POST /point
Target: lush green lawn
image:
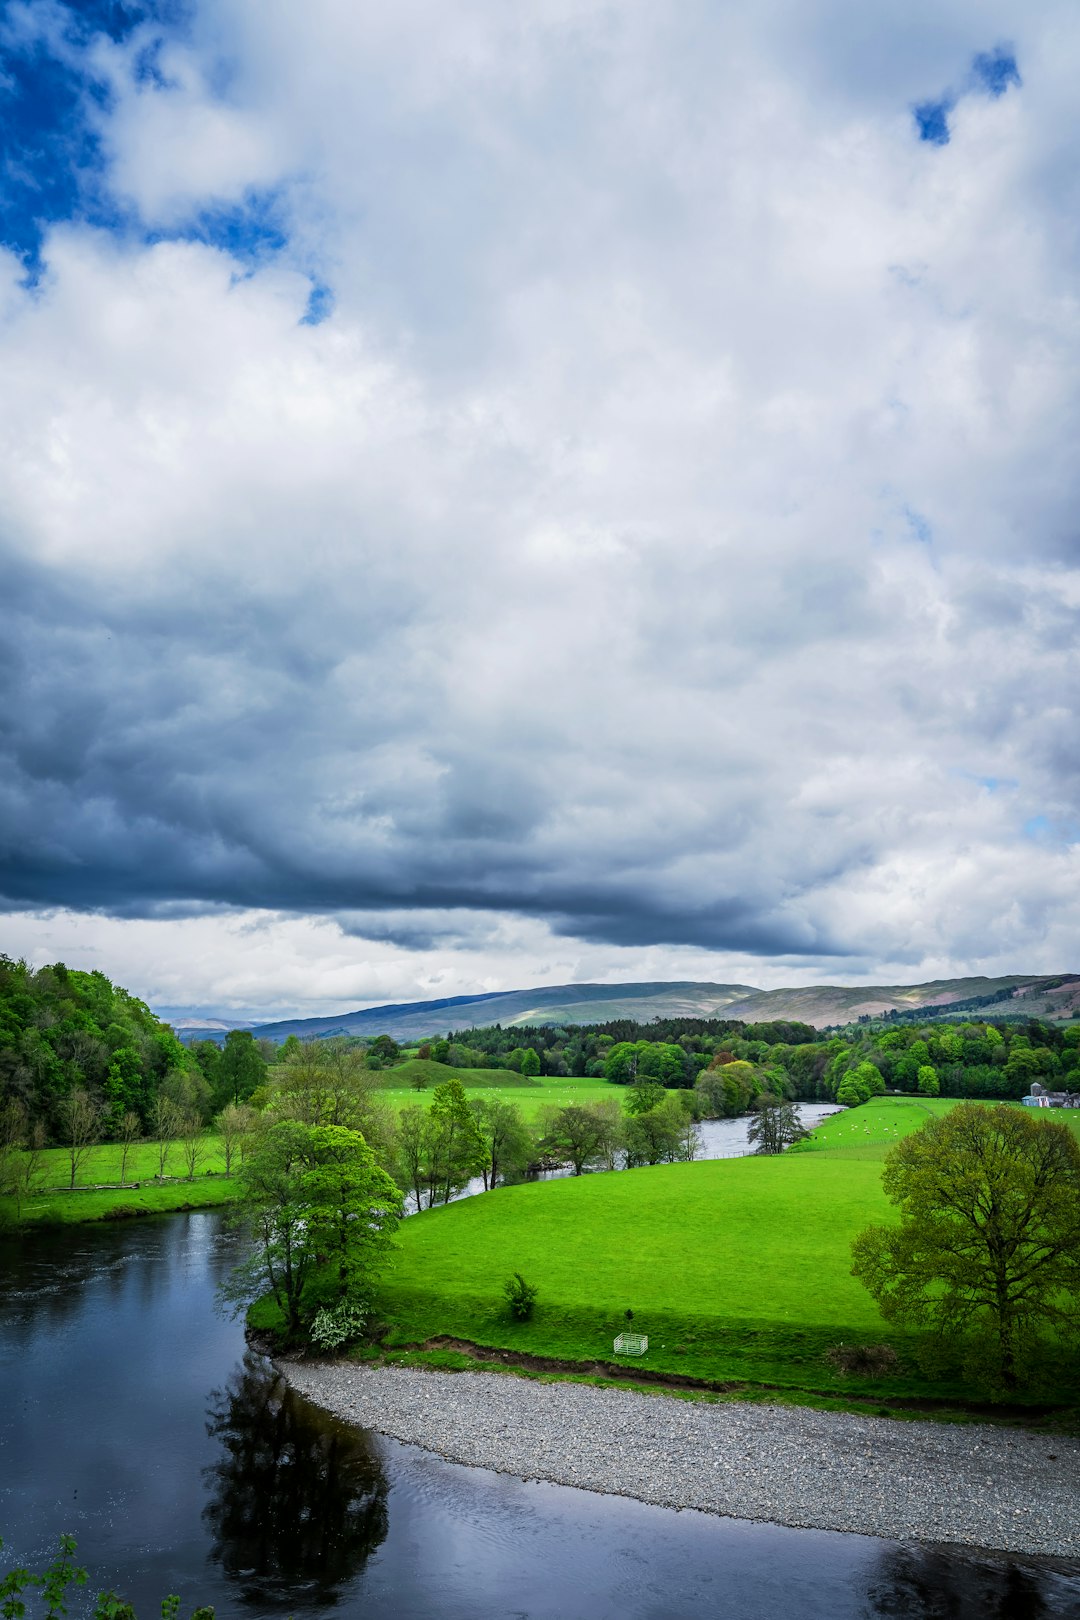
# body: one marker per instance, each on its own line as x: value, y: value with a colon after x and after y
x: 98, y: 1194
x: 102, y: 1165
x: 736, y: 1268
x: 870, y: 1130
x: 529, y: 1095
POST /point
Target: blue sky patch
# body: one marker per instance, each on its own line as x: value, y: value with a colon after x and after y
x: 51, y: 164
x: 251, y: 231
x: 932, y: 121
x: 991, y: 72
x: 994, y: 71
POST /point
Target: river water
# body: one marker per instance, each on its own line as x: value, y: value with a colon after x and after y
x: 133, y: 1416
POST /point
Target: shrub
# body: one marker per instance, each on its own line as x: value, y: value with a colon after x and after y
x: 863, y: 1360
x: 522, y: 1296
x: 334, y: 1326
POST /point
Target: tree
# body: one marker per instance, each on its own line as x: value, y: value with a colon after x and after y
x: 164, y: 1123
x: 508, y: 1142
x: 128, y: 1131
x: 80, y: 1121
x: 643, y: 1095
x: 457, y: 1147
x: 329, y: 1083
x: 413, y: 1138
x: 385, y: 1049
x: 621, y: 1063
x: 847, y: 1093
x: 321, y: 1211
x: 192, y: 1142
x: 530, y: 1063
x: 29, y: 1163
x: 929, y: 1085
x: 657, y: 1136
x: 574, y: 1135
x: 988, y: 1242
x: 241, y: 1070
x: 867, y: 1080
x: 775, y: 1125
x: 234, y: 1125
x: 188, y: 1091
x: 13, y: 1124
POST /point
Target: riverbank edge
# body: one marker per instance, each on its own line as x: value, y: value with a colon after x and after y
x: 796, y: 1466
x: 90, y: 1204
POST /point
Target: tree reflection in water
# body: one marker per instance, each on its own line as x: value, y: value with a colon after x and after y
x: 947, y: 1583
x: 298, y: 1500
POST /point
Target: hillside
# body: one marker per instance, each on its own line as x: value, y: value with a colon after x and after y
x: 552, y: 1004
x: 1044, y: 996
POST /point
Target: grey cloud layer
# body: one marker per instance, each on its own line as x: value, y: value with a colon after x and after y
x: 669, y: 536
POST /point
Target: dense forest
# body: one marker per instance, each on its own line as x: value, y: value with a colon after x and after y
x: 63, y: 1031
x: 973, y: 1059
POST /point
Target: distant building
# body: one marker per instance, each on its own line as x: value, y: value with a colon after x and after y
x: 1039, y: 1097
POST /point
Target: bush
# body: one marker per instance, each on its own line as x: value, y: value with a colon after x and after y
x: 333, y: 1327
x: 522, y: 1296
x: 863, y: 1360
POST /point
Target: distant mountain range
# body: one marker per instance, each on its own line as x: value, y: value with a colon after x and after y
x: 1040, y: 995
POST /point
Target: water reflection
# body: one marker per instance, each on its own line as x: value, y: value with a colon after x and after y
x: 947, y: 1583
x: 297, y: 1501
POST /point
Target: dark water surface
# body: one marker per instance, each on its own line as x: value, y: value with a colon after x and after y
x: 132, y: 1416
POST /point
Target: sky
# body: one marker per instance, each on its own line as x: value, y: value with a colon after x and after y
x: 493, y: 496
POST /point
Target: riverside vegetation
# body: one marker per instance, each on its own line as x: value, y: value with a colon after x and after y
x: 740, y: 1271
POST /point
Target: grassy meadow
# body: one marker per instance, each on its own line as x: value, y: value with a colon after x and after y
x: 737, y: 1269
x: 398, y: 1086
x: 98, y: 1194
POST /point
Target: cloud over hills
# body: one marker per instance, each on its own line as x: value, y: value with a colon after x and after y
x: 575, y: 492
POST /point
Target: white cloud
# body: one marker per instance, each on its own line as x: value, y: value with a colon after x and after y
x: 667, y: 531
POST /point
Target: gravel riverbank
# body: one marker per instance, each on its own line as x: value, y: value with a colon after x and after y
x: 1010, y: 1490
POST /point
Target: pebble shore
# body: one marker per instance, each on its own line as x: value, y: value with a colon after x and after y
x: 1003, y: 1489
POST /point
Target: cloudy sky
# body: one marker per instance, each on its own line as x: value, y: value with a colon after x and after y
x: 498, y: 495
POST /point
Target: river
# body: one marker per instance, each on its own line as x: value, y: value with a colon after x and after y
x: 134, y: 1416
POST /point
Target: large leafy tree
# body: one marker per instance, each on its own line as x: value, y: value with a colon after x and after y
x: 508, y: 1141
x: 322, y: 1213
x: 988, y: 1243
x: 457, y: 1147
x: 241, y: 1069
x: 774, y: 1125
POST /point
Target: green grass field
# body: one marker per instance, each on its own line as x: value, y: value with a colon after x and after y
x: 530, y: 1096
x: 737, y: 1269
x: 98, y: 1195
x: 869, y: 1131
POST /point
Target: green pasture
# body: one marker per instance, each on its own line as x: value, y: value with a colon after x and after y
x: 98, y: 1194
x: 869, y: 1131
x: 530, y: 1095
x: 103, y: 1204
x: 736, y: 1269
x: 101, y: 1167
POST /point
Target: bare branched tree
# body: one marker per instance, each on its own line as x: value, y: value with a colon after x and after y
x: 165, y: 1123
x: 127, y: 1134
x: 234, y: 1125
x: 80, y: 1124
x: 192, y: 1141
